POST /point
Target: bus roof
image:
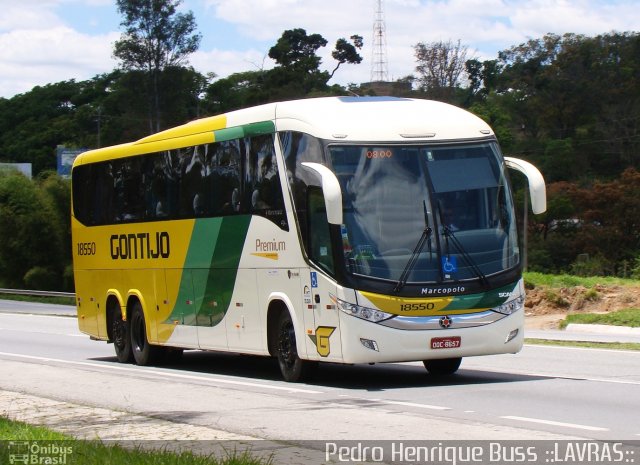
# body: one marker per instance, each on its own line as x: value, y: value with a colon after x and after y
x: 379, y: 119
x: 375, y: 119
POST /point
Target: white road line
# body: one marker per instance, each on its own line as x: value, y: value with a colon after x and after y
x: 412, y: 404
x: 168, y: 374
x: 34, y: 315
x: 557, y: 376
x: 548, y: 347
x: 596, y: 380
x: 42, y: 332
x: 555, y: 423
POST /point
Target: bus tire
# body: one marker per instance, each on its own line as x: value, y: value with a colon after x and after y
x: 143, y: 352
x: 292, y: 367
x: 443, y: 366
x: 121, y: 337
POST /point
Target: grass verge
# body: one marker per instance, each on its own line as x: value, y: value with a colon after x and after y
x: 565, y: 280
x: 590, y: 345
x: 94, y: 452
x: 627, y: 317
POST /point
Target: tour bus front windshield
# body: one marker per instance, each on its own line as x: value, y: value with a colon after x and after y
x: 419, y: 213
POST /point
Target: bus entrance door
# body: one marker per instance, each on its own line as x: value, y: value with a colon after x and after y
x: 325, y: 335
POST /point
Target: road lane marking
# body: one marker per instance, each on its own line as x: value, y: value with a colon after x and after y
x: 397, y: 402
x: 554, y: 376
x: 555, y: 423
x: 622, y: 351
x: 578, y: 378
x: 145, y: 370
x: 35, y: 315
x: 413, y: 404
x: 42, y: 332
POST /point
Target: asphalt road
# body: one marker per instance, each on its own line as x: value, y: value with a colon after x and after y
x: 540, y: 393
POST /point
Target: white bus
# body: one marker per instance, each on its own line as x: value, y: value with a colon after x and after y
x: 347, y: 230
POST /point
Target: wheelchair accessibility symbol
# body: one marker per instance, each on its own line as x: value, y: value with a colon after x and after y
x: 449, y: 264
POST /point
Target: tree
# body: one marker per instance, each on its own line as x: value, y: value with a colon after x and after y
x: 482, y: 77
x: 346, y: 52
x: 31, y: 244
x: 441, y: 68
x: 298, y: 73
x: 239, y: 90
x: 580, y: 88
x: 34, y: 123
x: 155, y: 37
x: 297, y: 50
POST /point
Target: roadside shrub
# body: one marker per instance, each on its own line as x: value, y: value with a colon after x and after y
x: 41, y: 279
x: 556, y: 299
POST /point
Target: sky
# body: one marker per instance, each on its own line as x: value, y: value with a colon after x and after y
x: 47, y: 41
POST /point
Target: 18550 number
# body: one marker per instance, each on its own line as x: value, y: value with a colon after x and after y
x: 86, y: 248
x: 417, y: 307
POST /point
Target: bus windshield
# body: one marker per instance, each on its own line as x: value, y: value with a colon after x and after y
x: 420, y: 213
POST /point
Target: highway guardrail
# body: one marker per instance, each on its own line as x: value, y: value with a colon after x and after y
x: 37, y: 293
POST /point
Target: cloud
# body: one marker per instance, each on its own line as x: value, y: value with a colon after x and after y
x: 224, y: 62
x: 485, y: 26
x: 43, y: 41
x: 267, y: 19
x: 37, y: 14
x: 33, y: 57
x: 37, y: 47
x: 535, y: 18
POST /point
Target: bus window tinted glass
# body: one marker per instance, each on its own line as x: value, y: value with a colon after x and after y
x: 263, y: 193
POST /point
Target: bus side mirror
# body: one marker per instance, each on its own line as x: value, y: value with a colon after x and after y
x: 537, y: 190
x: 331, y: 191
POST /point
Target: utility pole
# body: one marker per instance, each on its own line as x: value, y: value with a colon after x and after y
x: 99, y: 122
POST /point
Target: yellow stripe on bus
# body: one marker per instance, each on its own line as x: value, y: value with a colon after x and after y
x: 416, y: 306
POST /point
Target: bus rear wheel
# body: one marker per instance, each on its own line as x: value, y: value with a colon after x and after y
x: 143, y: 352
x: 443, y: 366
x: 121, y: 338
x: 292, y: 367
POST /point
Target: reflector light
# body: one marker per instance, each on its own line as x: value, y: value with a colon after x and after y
x: 369, y: 344
x: 511, y: 335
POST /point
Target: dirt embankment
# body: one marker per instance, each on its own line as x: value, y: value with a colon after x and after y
x: 545, y: 307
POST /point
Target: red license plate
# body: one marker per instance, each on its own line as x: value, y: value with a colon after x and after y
x: 446, y: 342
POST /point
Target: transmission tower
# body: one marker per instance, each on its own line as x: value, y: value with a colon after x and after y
x: 379, y: 65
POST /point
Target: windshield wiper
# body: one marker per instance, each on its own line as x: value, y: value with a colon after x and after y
x: 448, y: 234
x: 424, y: 237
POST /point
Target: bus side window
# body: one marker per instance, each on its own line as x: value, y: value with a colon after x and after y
x: 262, y: 189
x: 225, y: 177
x: 298, y: 148
x: 320, y: 248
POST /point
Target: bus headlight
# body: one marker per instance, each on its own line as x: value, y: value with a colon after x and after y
x: 510, y: 307
x: 365, y: 313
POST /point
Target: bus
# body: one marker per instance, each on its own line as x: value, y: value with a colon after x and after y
x: 339, y: 229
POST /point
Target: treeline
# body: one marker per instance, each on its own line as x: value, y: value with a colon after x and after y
x: 569, y: 104
x: 35, y: 232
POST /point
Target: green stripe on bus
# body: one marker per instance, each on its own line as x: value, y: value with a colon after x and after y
x: 256, y: 129
x: 210, y: 270
x: 488, y: 299
x: 247, y: 130
x: 228, y: 134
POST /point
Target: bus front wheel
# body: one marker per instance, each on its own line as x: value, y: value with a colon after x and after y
x: 443, y: 366
x: 143, y: 352
x: 292, y: 367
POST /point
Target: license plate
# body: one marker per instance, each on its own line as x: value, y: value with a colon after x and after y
x: 446, y: 342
